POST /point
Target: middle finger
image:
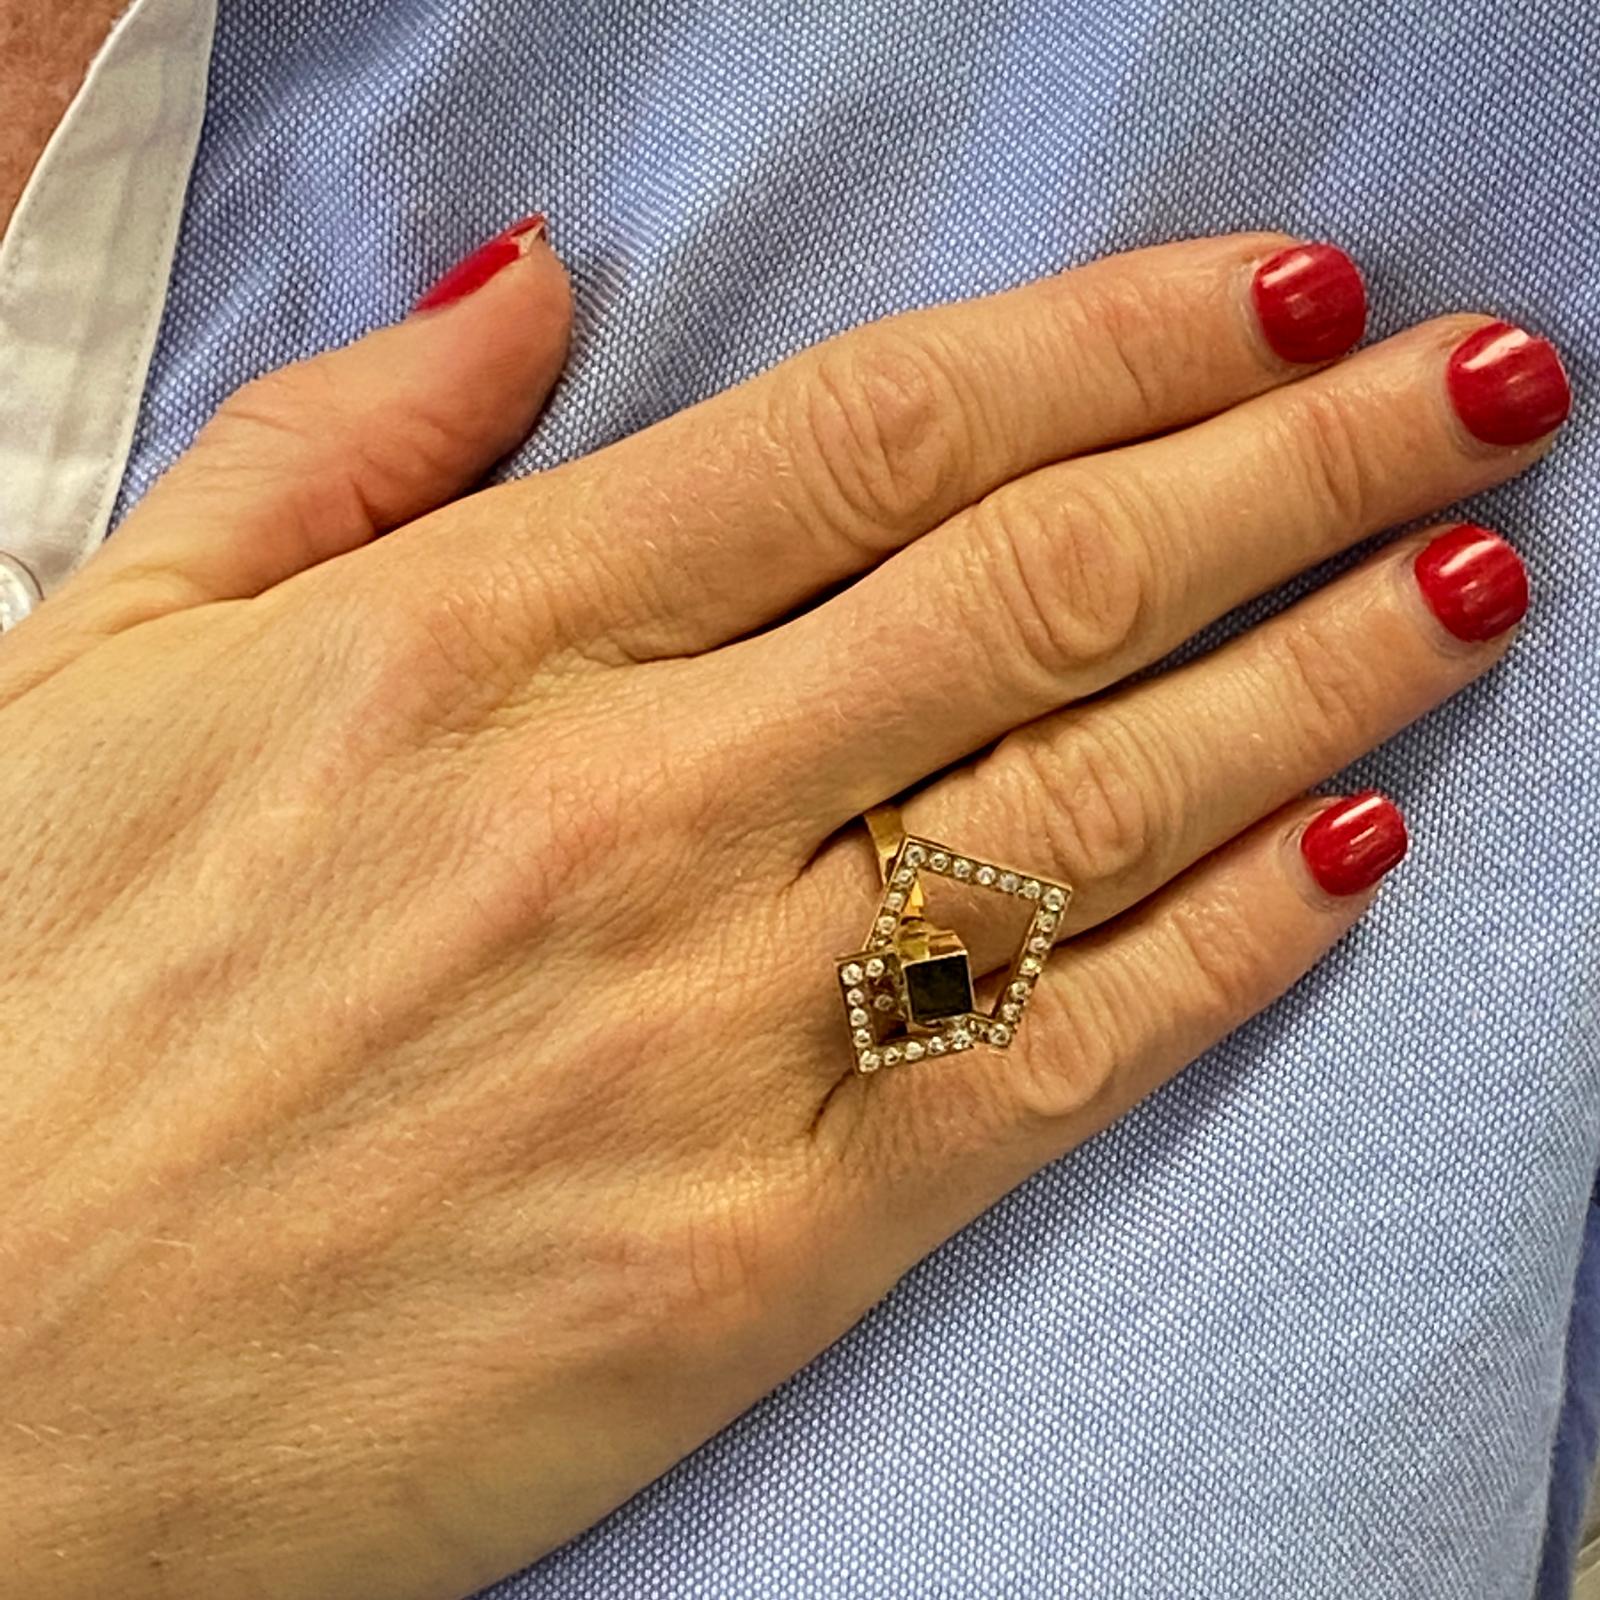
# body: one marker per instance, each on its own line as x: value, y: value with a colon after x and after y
x: 1067, y: 580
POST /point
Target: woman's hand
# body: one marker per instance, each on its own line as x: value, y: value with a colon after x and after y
x: 428, y: 1109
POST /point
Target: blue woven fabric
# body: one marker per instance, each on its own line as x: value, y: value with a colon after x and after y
x: 1580, y: 1421
x: 1297, y: 1328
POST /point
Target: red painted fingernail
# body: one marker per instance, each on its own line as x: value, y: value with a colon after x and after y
x: 483, y: 264
x: 1473, y: 581
x: 1311, y: 302
x: 1352, y: 844
x: 1508, y: 386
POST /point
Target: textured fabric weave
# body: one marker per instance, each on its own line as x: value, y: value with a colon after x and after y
x: 1297, y: 1327
x: 1580, y: 1421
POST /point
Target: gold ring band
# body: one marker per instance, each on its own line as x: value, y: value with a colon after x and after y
x: 908, y: 993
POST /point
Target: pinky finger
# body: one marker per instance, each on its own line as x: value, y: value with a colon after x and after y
x: 1122, y: 1010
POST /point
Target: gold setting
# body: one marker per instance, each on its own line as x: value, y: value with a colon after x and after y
x: 886, y: 1028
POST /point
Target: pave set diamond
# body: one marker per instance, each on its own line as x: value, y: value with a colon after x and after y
x: 873, y: 982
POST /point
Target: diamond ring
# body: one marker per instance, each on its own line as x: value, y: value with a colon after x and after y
x: 908, y: 993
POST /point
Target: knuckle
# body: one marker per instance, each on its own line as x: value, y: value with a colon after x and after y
x: 1122, y: 327
x: 1094, y: 807
x: 433, y: 643
x: 1071, y: 1067
x: 287, y: 430
x: 883, y: 430
x: 1218, y: 956
x: 307, y: 425
x: 546, y: 848
x: 1321, y: 692
x: 276, y: 402
x: 1330, y: 461
x: 728, y: 1252
x: 408, y: 665
x: 1072, y: 577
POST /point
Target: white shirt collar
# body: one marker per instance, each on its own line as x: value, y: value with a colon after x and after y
x: 84, y: 268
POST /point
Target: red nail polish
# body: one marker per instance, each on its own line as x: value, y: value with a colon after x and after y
x: 1473, y: 581
x: 1311, y: 302
x: 484, y: 263
x: 1353, y: 843
x: 1508, y: 386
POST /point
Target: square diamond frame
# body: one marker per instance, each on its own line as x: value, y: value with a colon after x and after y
x: 870, y: 981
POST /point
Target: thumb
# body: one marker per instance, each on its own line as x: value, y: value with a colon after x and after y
x: 317, y: 458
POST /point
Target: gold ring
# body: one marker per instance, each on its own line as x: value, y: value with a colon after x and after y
x: 908, y: 992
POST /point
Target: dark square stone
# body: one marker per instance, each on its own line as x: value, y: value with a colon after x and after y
x: 939, y: 988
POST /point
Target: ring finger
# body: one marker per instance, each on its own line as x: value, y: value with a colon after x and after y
x: 1122, y: 794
